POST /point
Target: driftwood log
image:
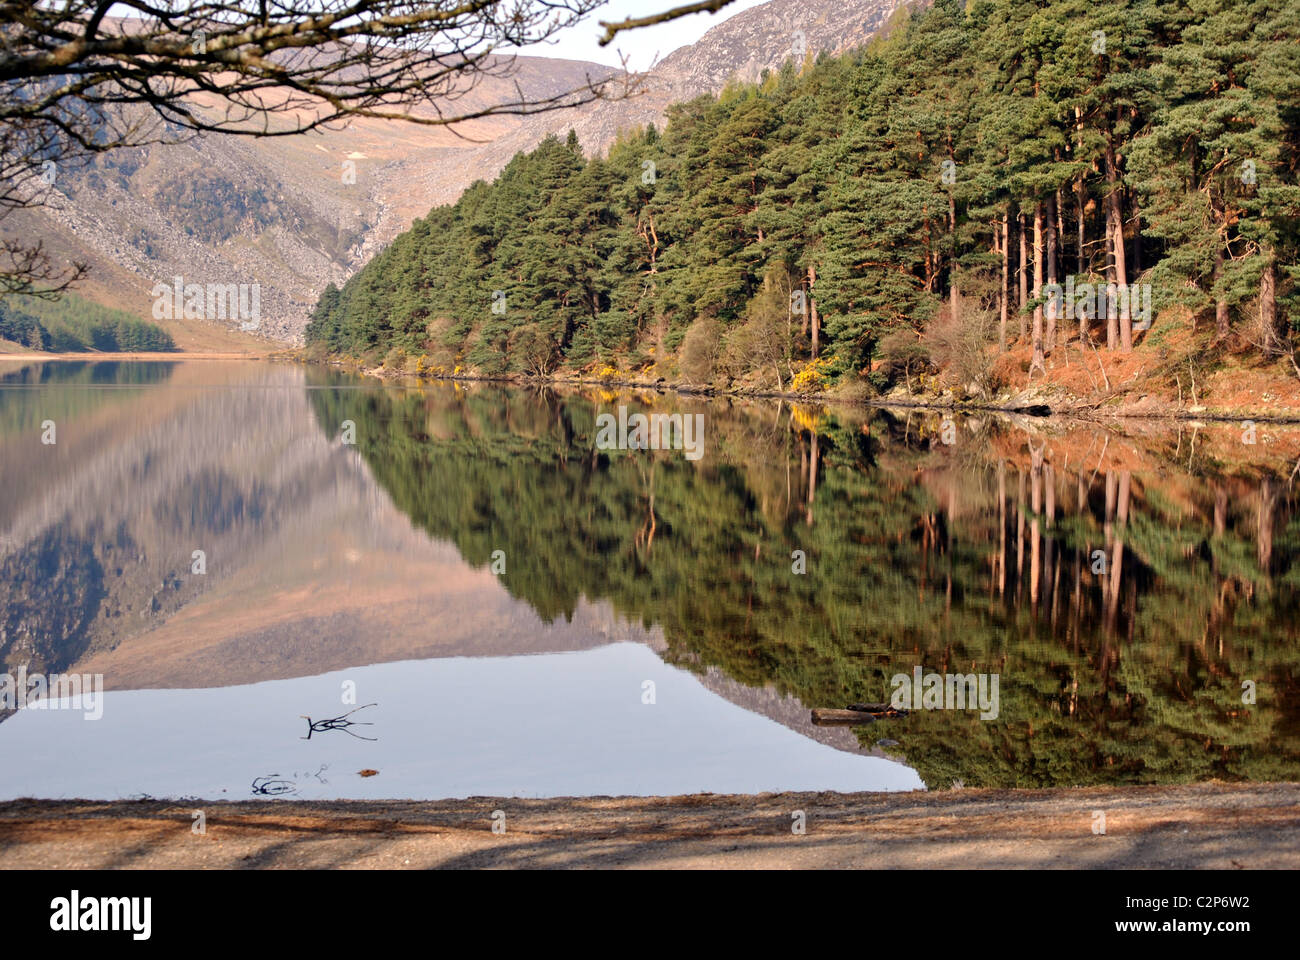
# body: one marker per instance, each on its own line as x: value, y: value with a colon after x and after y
x: 857, y: 714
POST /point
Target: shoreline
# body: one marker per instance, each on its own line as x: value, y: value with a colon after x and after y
x: 1201, y: 826
x: 175, y: 355
x: 1031, y: 404
x: 1035, y: 406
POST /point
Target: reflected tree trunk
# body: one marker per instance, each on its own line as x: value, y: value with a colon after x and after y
x: 1002, y: 528
x: 1036, y: 506
x: 1264, y: 538
x: 1020, y: 530
x: 1117, y: 554
x: 1052, y: 563
x: 812, y: 477
x: 1220, y: 522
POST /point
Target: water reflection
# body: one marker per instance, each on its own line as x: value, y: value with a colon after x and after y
x: 1129, y: 587
x: 341, y: 722
x: 568, y: 724
x: 1135, y: 590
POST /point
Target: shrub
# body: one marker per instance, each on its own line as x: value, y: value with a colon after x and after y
x: 903, y: 356
x: 959, y: 347
x: 812, y: 376
x: 395, y: 360
x: 700, y: 349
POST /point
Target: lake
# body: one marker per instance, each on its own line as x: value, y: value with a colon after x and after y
x: 295, y: 582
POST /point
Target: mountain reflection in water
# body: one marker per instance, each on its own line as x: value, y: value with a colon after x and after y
x: 1129, y: 585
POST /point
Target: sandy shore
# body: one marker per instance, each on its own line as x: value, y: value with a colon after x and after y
x: 1226, y: 826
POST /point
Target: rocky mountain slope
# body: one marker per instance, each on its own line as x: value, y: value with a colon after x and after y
x: 293, y: 214
x: 287, y: 213
x: 762, y: 38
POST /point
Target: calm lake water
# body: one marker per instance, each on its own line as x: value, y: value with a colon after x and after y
x: 244, y: 550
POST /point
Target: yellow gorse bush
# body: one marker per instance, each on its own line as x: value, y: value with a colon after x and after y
x: 811, y: 378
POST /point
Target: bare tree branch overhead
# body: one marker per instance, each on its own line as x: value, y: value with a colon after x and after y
x: 80, y: 77
x: 614, y: 28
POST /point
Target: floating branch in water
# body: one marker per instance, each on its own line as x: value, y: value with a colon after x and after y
x: 271, y: 787
x: 856, y: 714
x: 317, y: 774
x: 338, y: 723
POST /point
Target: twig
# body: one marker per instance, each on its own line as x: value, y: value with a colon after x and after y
x: 1105, y: 379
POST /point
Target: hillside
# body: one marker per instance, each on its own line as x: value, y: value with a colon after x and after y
x: 989, y: 204
x: 741, y: 48
x: 278, y: 212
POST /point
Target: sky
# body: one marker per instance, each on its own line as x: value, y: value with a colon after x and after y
x: 642, y: 46
x: 614, y: 720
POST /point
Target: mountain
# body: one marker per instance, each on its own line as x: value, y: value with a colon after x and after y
x: 762, y: 38
x: 288, y: 213
x: 277, y: 211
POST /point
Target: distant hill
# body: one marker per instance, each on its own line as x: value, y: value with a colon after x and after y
x: 278, y: 212
x: 74, y: 325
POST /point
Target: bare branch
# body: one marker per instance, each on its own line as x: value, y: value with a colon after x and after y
x: 77, y: 81
x: 631, y: 23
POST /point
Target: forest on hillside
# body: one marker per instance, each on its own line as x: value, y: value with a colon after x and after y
x: 912, y: 206
x: 72, y: 324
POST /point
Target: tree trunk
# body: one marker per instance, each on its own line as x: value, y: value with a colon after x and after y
x: 1052, y: 224
x: 1135, y: 266
x: 1024, y: 271
x: 1268, y: 305
x: 1115, y: 204
x: 1004, y: 292
x: 1112, y: 318
x: 813, y: 318
x: 953, y: 293
x: 1079, y: 271
x: 1220, y: 304
x: 1037, y: 362
x: 803, y: 317
x: 1082, y: 223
